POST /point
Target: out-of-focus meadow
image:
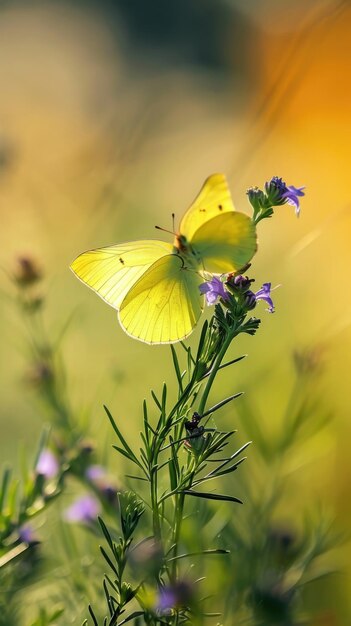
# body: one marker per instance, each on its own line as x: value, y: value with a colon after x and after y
x: 112, y: 114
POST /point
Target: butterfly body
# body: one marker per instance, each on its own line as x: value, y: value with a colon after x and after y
x: 154, y: 285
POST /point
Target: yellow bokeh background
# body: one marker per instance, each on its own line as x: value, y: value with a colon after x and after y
x: 98, y: 144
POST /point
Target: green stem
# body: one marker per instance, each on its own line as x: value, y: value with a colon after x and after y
x: 154, y: 505
x: 179, y: 508
x: 180, y: 498
x: 215, y: 368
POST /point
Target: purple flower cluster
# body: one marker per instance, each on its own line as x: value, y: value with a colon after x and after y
x: 215, y: 290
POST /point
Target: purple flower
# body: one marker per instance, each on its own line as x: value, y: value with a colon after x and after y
x: 177, y: 595
x: 292, y: 196
x: 265, y: 294
x: 95, y: 472
x: 47, y: 464
x: 167, y: 599
x: 85, y: 510
x: 214, y: 289
x: 97, y: 475
x: 279, y: 193
x: 26, y: 534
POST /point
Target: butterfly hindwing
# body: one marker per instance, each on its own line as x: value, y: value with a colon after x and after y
x: 165, y: 304
x: 225, y: 243
x: 113, y: 270
x: 214, y: 199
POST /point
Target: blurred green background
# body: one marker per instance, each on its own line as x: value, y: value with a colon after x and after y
x: 112, y: 114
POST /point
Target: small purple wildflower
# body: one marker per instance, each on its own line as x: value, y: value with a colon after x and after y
x: 47, y: 464
x: 85, y: 510
x: 292, y: 196
x: 265, y: 294
x: 97, y: 475
x: 95, y: 472
x: 26, y: 534
x: 167, y: 599
x: 214, y: 289
x: 280, y: 193
x: 174, y: 596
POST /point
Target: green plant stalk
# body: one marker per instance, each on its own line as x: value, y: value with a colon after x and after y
x: 180, y: 498
x: 216, y: 367
x: 155, y: 506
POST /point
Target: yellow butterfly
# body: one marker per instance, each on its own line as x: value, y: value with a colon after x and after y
x: 154, y: 285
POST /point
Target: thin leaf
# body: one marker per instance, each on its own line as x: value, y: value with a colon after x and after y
x: 156, y: 400
x: 203, y: 552
x: 233, y: 456
x: 177, y: 368
x: 146, y: 480
x: 126, y: 454
x: 164, y: 398
x: 188, y: 351
x: 172, y: 474
x: 221, y: 367
x: 202, y: 340
x: 120, y: 436
x: 211, y: 496
x: 146, y: 424
x: 222, y: 403
x: 13, y: 554
x: 108, y: 597
x: 4, y: 486
x: 105, y: 532
x: 230, y: 469
x: 92, y: 615
x: 132, y: 616
x: 108, y: 560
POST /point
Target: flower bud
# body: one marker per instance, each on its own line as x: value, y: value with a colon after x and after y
x: 256, y: 198
x: 249, y: 300
x: 239, y: 283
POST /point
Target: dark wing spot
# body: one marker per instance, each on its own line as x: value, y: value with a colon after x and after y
x: 220, y: 207
x: 121, y: 260
x: 202, y: 210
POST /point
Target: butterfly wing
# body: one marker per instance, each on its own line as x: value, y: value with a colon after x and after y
x: 112, y: 271
x: 225, y: 243
x: 164, y: 305
x: 214, y: 199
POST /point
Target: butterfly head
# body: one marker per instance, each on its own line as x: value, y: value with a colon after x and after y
x: 190, y: 257
x: 181, y: 244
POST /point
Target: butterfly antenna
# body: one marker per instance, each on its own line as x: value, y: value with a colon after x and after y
x: 171, y: 232
x: 165, y: 230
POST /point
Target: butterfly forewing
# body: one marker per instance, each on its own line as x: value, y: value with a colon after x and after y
x: 113, y: 270
x: 165, y: 303
x: 214, y: 199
